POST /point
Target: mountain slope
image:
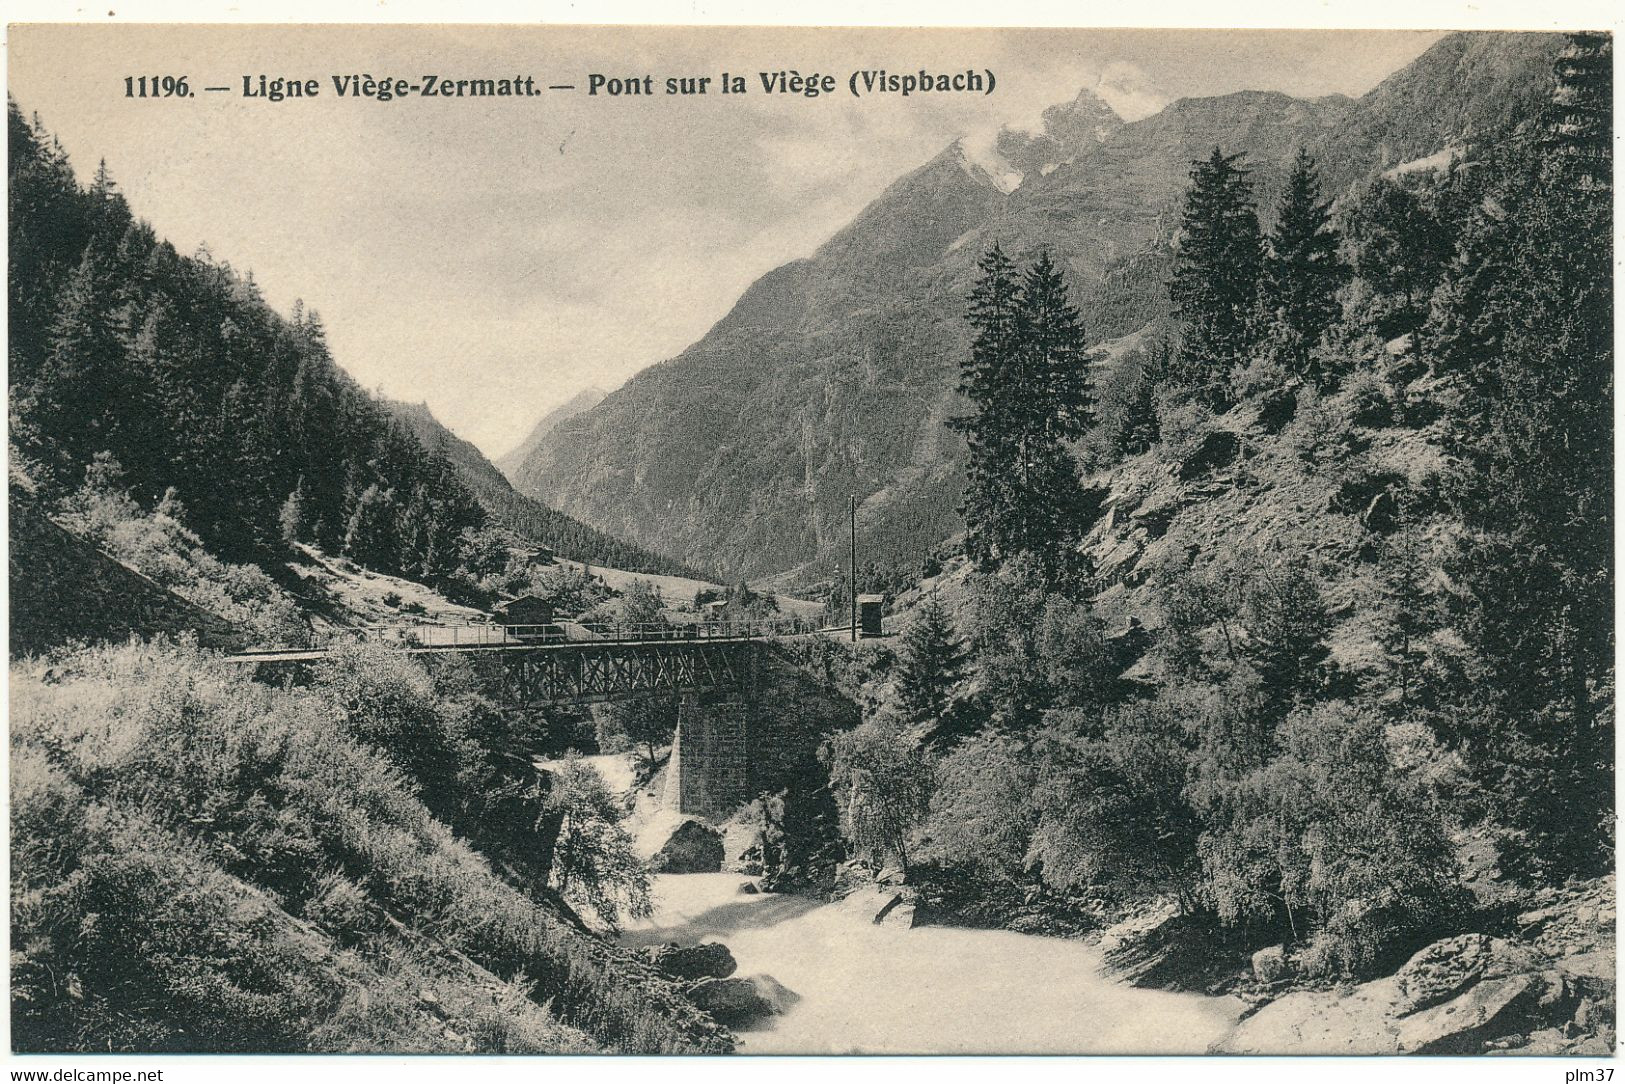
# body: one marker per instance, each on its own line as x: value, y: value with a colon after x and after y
x: 523, y: 515
x: 832, y: 375
x: 577, y: 404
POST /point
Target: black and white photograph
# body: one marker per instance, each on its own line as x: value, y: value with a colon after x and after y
x: 765, y: 540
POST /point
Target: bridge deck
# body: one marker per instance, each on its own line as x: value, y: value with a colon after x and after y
x: 314, y: 653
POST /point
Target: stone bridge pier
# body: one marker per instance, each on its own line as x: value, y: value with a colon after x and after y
x: 709, y: 773
x: 759, y: 736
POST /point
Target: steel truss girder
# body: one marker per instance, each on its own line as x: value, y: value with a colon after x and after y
x: 597, y: 673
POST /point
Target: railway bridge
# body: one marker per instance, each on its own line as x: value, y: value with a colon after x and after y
x: 713, y: 668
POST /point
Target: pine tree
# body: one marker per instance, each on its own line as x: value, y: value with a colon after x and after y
x: 1052, y: 334
x: 986, y: 379
x: 1303, y: 271
x: 369, y: 539
x: 930, y: 663
x: 77, y: 393
x: 1217, y: 270
x: 1029, y: 381
x: 1523, y: 330
x: 1578, y: 120
x: 1400, y: 245
x: 1138, y: 426
x: 1405, y: 607
x: 291, y: 519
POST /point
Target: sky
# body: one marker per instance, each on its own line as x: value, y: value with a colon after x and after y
x: 492, y: 257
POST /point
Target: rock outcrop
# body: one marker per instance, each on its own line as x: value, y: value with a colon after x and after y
x: 740, y: 1003
x: 1462, y: 995
x: 710, y: 960
x: 694, y: 847
x: 1270, y: 964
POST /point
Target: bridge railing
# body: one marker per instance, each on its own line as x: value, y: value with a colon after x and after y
x: 491, y: 634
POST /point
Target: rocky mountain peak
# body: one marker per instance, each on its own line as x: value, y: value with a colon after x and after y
x: 1067, y: 130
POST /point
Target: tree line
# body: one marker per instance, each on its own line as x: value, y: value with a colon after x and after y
x: 176, y: 370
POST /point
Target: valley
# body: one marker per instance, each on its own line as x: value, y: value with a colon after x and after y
x: 1143, y: 588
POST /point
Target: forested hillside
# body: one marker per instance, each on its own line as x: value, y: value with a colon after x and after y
x: 164, y: 411
x: 833, y: 375
x: 527, y: 517
x: 1320, y: 644
x: 176, y: 368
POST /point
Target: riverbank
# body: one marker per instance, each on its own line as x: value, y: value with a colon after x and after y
x: 888, y: 989
x: 867, y: 987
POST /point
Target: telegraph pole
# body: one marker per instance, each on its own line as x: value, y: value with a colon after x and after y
x: 853, y: 571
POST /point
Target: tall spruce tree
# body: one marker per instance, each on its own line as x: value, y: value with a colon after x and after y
x: 1217, y: 270
x: 1138, y: 427
x: 985, y: 379
x: 1522, y: 328
x: 930, y: 664
x: 1029, y: 381
x: 1051, y: 333
x: 1302, y: 272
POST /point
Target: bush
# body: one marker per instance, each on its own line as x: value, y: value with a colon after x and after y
x: 882, y: 783
x: 1321, y: 434
x: 159, y: 546
x: 1112, y: 809
x: 595, y: 865
x: 1332, y: 836
x: 982, y: 812
x: 1371, y: 399
x: 1184, y: 425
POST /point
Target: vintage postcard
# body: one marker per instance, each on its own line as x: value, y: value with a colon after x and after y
x: 718, y: 540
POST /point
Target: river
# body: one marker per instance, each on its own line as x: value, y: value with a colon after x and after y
x: 868, y: 989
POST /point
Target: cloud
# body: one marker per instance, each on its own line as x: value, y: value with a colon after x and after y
x: 1131, y: 91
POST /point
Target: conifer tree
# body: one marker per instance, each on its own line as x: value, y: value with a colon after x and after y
x: 1523, y: 330
x: 985, y: 379
x: 930, y: 664
x: 1029, y: 381
x: 1052, y: 334
x: 1217, y: 270
x: 1303, y: 271
x: 1138, y: 427
x: 291, y: 519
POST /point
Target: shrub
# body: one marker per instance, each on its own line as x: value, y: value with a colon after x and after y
x: 1371, y: 399
x: 1333, y: 836
x: 882, y: 783
x: 982, y: 813
x: 1111, y: 810
x: 594, y: 864
x: 159, y: 546
x: 1183, y: 423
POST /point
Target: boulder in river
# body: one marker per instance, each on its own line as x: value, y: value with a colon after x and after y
x: 710, y: 960
x: 774, y: 992
x: 694, y: 847
x: 1270, y: 964
x: 739, y: 1003
x: 896, y: 911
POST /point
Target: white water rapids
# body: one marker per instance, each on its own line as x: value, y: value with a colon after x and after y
x: 889, y: 990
